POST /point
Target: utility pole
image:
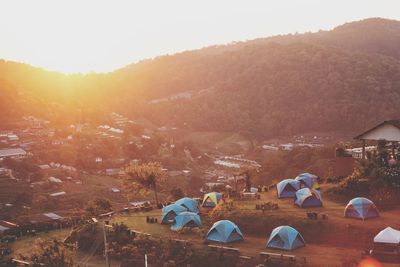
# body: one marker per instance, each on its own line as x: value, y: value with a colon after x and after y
x: 105, y: 245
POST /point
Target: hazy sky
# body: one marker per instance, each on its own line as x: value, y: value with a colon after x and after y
x: 80, y: 36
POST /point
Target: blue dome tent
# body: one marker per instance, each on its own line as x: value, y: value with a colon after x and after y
x: 308, y: 180
x: 287, y: 188
x: 169, y: 212
x: 285, y: 237
x: 307, y: 197
x: 361, y: 208
x: 189, y: 203
x: 224, y: 231
x: 186, y: 219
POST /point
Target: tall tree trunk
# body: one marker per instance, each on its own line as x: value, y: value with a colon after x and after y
x: 248, y: 182
x: 155, y: 195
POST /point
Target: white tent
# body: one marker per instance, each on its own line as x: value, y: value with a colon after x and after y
x: 388, y: 235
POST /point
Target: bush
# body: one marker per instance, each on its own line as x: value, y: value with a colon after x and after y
x: 354, y: 185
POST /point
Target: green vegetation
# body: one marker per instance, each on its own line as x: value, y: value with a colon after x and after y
x: 144, y: 177
x: 177, y: 193
x: 262, y: 88
x: 52, y: 254
x: 248, y: 172
x: 377, y: 177
x: 98, y: 206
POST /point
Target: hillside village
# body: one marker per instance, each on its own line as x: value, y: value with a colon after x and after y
x: 281, y: 151
x: 50, y: 176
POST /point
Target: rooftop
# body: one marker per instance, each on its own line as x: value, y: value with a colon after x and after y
x: 12, y: 152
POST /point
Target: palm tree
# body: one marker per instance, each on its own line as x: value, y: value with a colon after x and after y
x: 144, y: 177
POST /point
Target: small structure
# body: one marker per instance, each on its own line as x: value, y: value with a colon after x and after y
x: 285, y: 237
x: 387, y: 242
x: 12, y: 137
x: 169, y: 213
x: 12, y: 153
x: 224, y: 231
x: 308, y: 180
x: 115, y: 190
x: 287, y: 188
x: 113, y: 172
x: 307, y: 197
x: 387, y: 130
x: 52, y: 216
x: 189, y: 203
x: 6, y: 226
x: 57, y: 194
x: 44, y: 167
x: 211, y: 199
x: 252, y: 190
x: 361, y: 208
x: 54, y: 180
x: 186, y: 220
x: 45, y: 218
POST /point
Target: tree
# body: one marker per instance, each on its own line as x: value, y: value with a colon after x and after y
x: 144, y: 177
x: 98, y: 206
x: 248, y: 172
x: 177, y: 193
x: 51, y: 253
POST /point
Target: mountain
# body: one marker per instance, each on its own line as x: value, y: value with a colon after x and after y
x: 342, y: 80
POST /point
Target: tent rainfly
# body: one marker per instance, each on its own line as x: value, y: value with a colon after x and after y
x: 224, y: 231
x: 285, y: 237
x: 189, y: 203
x: 169, y: 212
x: 388, y: 236
x: 287, y: 188
x: 211, y: 199
x: 186, y: 220
x: 306, y: 197
x: 308, y: 180
x: 361, y: 208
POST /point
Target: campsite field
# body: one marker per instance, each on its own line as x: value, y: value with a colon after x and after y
x: 330, y: 242
x: 341, y: 239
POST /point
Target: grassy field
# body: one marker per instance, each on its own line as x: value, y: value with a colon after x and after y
x: 329, y: 242
x: 339, y: 240
x: 24, y: 245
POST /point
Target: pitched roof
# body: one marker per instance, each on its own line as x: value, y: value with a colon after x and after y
x: 388, y: 235
x: 395, y: 123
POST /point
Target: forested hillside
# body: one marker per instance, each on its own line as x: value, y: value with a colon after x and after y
x: 342, y: 80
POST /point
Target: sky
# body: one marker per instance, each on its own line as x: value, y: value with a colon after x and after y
x: 82, y: 36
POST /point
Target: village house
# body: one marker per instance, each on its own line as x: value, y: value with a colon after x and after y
x: 12, y: 153
x: 387, y: 130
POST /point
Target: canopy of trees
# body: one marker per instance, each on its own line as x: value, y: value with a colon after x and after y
x: 341, y: 80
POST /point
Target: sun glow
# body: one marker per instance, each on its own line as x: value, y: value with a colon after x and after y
x: 369, y: 262
x: 82, y: 36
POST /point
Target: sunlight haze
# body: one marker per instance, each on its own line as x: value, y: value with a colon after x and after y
x: 101, y: 36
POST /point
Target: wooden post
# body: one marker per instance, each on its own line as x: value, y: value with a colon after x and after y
x: 363, y: 149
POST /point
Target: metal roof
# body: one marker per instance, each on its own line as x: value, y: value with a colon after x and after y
x: 11, y: 152
x: 395, y: 123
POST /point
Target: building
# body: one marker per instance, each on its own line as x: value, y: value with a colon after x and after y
x: 387, y: 130
x: 357, y: 152
x: 57, y: 194
x: 12, y: 153
x: 114, y: 172
x: 12, y: 137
